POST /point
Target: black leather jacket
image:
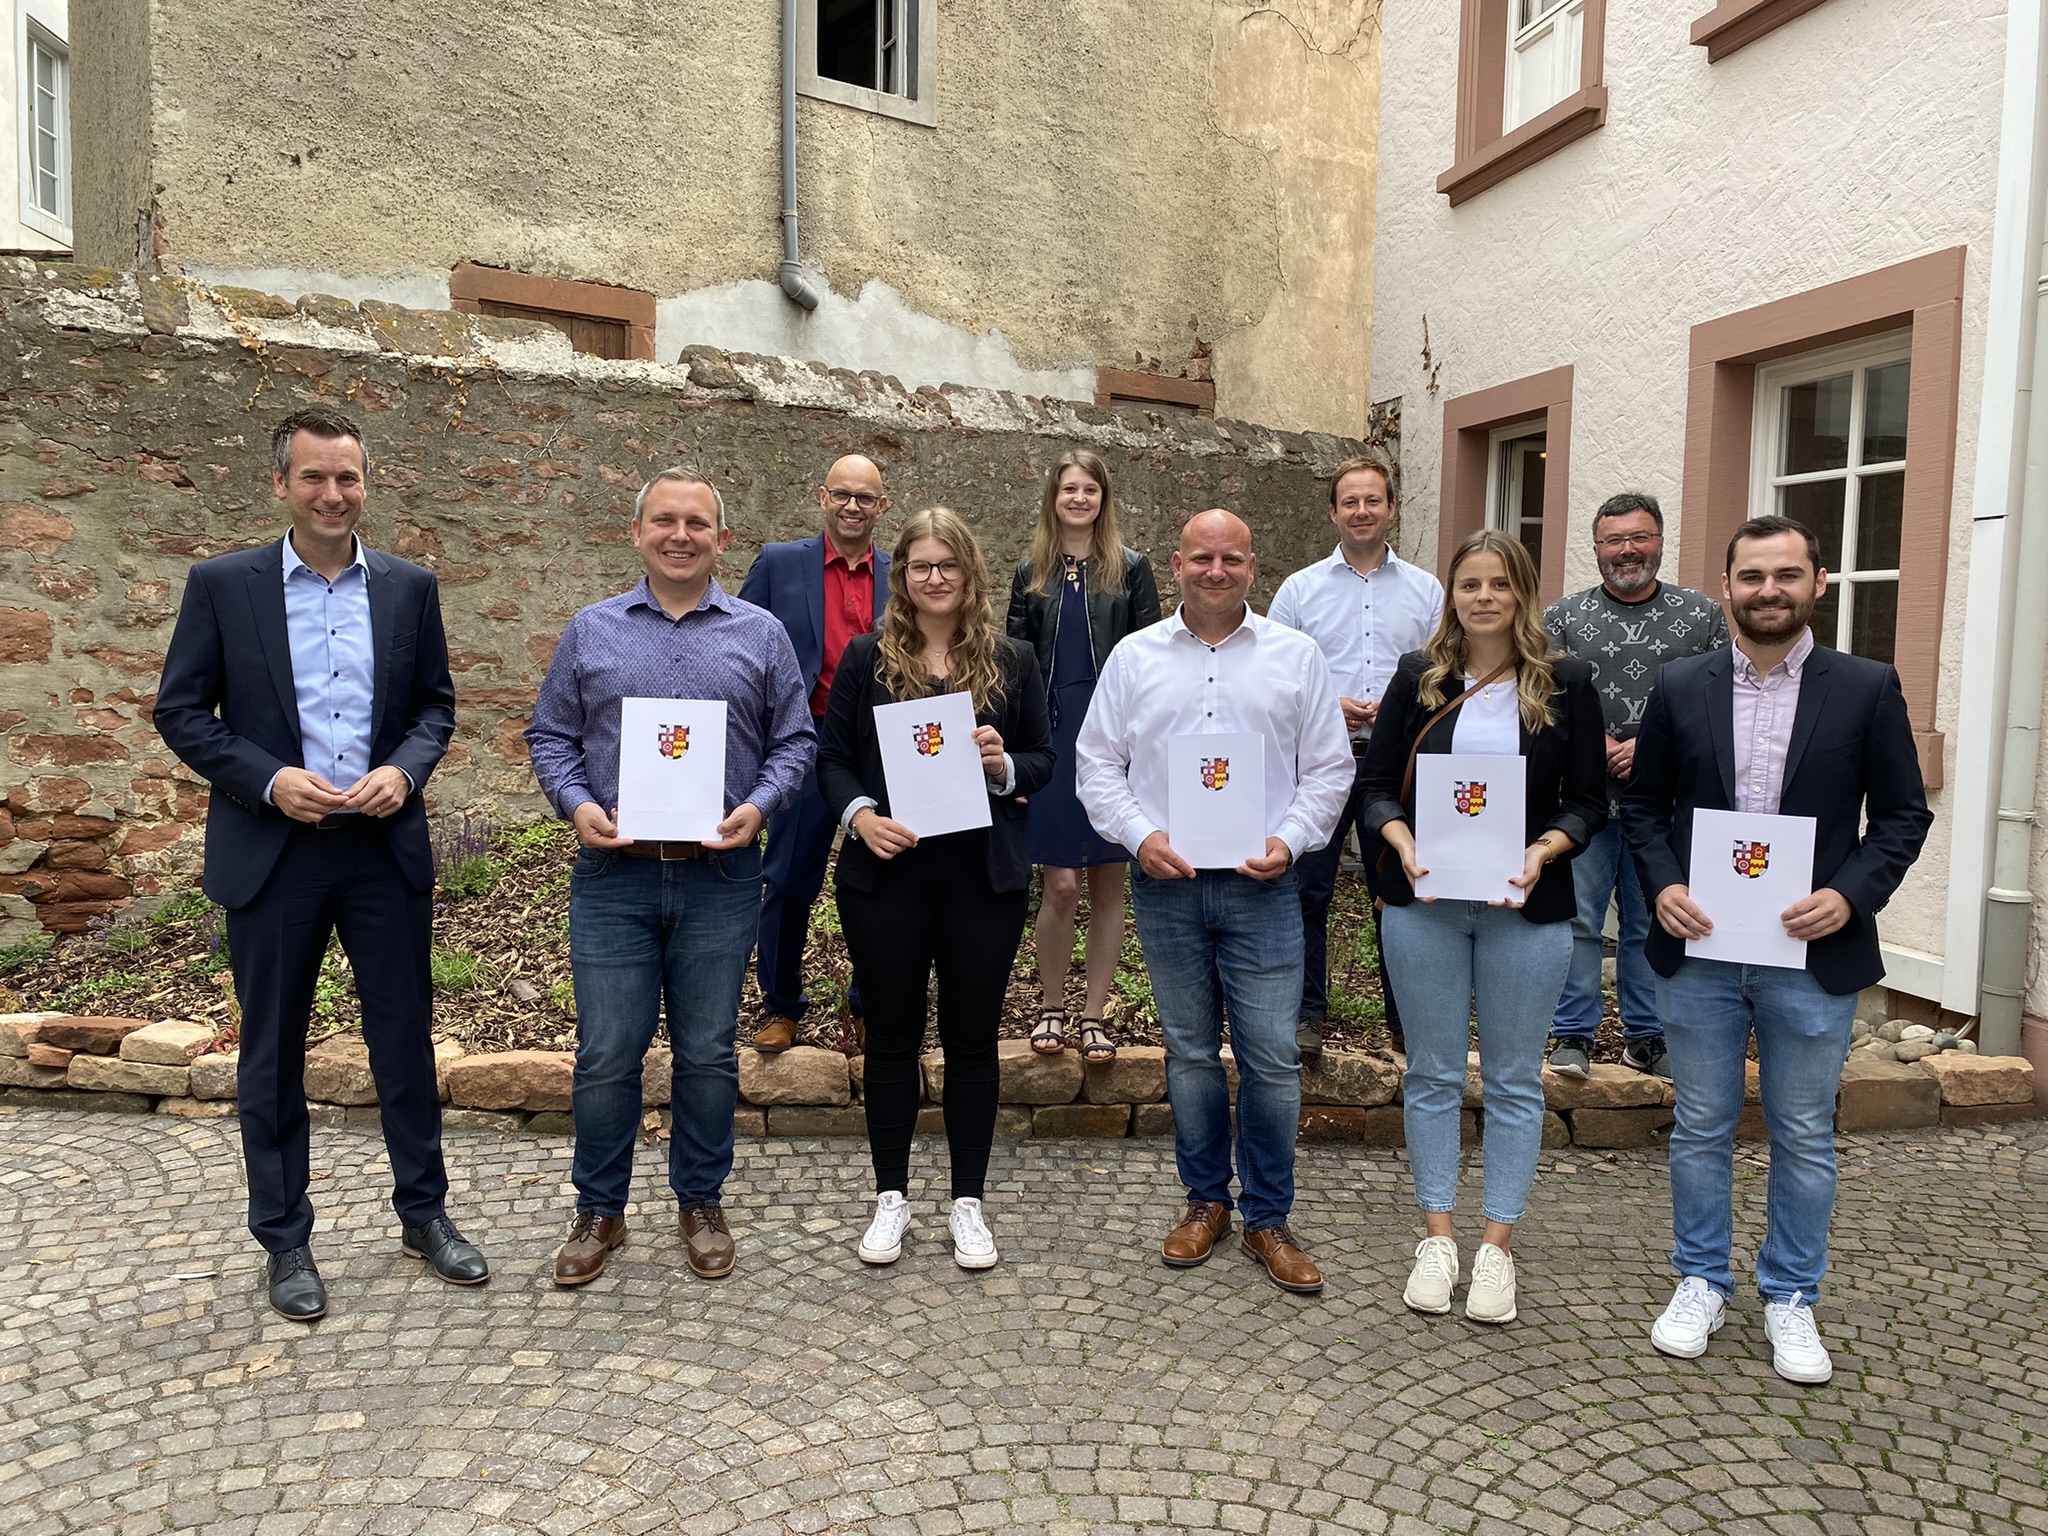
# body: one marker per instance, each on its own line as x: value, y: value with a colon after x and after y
x: 1035, y: 616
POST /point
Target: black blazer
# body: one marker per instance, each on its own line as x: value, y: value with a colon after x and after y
x: 850, y: 757
x: 1566, y: 786
x: 227, y: 706
x: 1035, y: 616
x: 1852, y: 761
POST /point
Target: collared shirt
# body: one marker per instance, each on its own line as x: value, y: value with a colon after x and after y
x: 1765, y: 707
x: 627, y: 647
x: 1363, y: 620
x: 1166, y: 681
x: 334, y: 673
x: 849, y: 611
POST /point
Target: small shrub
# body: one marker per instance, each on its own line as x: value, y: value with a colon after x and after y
x: 563, y: 995
x: 118, y: 937
x: 30, y: 952
x: 463, y: 853
x: 536, y: 837
x: 188, y: 907
x: 457, y: 970
x: 332, y: 987
x: 80, y: 994
x: 474, y: 876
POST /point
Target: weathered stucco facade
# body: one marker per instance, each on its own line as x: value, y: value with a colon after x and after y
x: 134, y: 439
x: 1198, y: 203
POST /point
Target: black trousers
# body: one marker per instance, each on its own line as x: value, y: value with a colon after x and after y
x: 1317, y: 873
x: 932, y: 908
x: 345, y: 880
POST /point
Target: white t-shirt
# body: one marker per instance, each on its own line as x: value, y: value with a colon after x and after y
x: 1490, y: 721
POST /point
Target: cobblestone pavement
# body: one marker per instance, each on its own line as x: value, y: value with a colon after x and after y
x: 1080, y: 1386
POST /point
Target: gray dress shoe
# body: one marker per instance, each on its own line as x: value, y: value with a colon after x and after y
x: 442, y: 1246
x: 294, y: 1284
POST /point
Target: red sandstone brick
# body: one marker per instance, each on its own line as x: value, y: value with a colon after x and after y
x: 151, y: 838
x: 74, y: 855
x: 140, y: 663
x: 510, y: 741
x: 69, y: 751
x: 24, y: 635
x: 75, y: 916
x: 34, y: 530
x: 86, y: 885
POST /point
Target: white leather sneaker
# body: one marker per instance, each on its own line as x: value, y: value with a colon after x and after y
x: 1696, y: 1312
x: 1492, y: 1296
x: 973, y: 1248
x: 1435, y: 1272
x: 883, y: 1242
x: 1796, y: 1351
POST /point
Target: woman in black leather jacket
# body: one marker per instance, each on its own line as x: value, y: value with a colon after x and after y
x: 1079, y: 593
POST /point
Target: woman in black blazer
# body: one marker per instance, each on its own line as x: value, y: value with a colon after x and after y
x: 1071, y: 601
x: 1486, y: 683
x: 956, y: 901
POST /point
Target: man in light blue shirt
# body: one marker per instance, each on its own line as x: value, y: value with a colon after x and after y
x: 1363, y: 606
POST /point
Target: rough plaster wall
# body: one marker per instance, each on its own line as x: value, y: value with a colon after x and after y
x: 134, y: 436
x: 1860, y: 135
x: 110, y: 129
x: 1090, y: 200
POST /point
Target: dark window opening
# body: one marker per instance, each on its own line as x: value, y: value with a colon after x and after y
x: 869, y: 43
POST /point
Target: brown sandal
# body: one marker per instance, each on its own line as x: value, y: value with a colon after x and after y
x: 1047, y: 1038
x: 1096, y: 1046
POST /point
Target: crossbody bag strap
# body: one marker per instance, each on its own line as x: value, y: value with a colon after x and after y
x: 1408, y: 775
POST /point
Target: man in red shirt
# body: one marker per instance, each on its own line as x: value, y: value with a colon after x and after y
x: 825, y: 590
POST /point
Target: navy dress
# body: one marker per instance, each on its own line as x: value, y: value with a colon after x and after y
x: 1057, y: 831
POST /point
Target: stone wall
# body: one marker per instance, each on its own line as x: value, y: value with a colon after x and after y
x: 134, y: 426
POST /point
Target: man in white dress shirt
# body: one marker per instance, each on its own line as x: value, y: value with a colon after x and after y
x: 1217, y: 938
x: 1364, y: 606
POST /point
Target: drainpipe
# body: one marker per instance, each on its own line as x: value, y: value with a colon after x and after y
x: 2009, y: 902
x: 793, y: 281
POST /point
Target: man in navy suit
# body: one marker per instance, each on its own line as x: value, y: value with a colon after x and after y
x: 1773, y: 725
x: 307, y: 682
x: 825, y: 589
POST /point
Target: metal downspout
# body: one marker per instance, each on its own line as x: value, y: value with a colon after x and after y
x: 793, y: 281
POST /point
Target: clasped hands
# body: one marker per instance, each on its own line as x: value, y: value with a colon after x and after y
x: 304, y: 796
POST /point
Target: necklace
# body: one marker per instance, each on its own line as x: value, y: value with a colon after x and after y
x: 1073, y: 569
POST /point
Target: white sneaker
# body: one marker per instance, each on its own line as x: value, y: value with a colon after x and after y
x: 1492, y: 1296
x: 973, y: 1248
x: 1796, y: 1350
x: 883, y: 1242
x: 1435, y: 1272
x: 1696, y: 1313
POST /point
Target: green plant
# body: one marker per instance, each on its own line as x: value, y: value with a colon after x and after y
x: 31, y: 951
x: 331, y: 987
x: 563, y: 995
x: 476, y: 875
x: 80, y: 993
x: 555, y: 887
x: 535, y: 837
x: 188, y: 907
x: 1357, y: 1012
x: 457, y: 970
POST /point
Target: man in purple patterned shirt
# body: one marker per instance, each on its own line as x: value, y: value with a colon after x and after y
x: 674, y: 923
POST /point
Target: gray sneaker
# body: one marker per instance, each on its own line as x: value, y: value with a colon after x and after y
x: 1651, y: 1057
x: 1569, y: 1058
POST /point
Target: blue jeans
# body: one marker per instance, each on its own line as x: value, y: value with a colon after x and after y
x: 644, y: 932
x: 1603, y: 869
x: 1444, y: 954
x: 1226, y: 940
x: 1709, y: 1008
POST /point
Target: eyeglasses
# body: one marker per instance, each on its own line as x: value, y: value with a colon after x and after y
x: 1621, y: 541
x: 925, y: 570
x: 860, y: 499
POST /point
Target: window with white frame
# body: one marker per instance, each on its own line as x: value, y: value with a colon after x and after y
x: 45, y: 130
x: 1515, y: 495
x: 1546, y: 47
x: 878, y: 55
x: 1829, y: 449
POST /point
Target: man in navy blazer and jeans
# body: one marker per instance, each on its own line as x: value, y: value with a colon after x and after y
x: 307, y: 682
x: 826, y: 589
x: 1773, y: 725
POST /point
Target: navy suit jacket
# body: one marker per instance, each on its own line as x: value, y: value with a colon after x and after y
x: 1852, y: 767
x: 789, y: 581
x: 228, y: 708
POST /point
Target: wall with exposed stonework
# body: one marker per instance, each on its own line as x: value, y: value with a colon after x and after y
x: 134, y: 426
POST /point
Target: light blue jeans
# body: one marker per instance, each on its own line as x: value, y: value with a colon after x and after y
x: 1604, y: 870
x: 1226, y: 939
x: 1443, y: 955
x: 1709, y: 1008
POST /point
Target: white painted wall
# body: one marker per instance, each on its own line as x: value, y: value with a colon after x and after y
x: 53, y: 16
x: 1860, y: 135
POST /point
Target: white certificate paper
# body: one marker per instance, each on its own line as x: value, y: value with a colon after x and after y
x: 936, y: 781
x: 671, y: 769
x: 1471, y: 827
x: 1216, y: 798
x: 1746, y: 870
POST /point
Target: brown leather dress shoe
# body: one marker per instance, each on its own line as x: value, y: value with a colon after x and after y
x: 591, y: 1238
x: 778, y: 1034
x: 1288, y: 1267
x: 1189, y: 1243
x: 707, y: 1241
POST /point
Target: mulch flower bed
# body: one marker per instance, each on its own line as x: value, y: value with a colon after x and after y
x: 501, y: 962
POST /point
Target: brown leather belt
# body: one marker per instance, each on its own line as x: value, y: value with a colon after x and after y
x: 666, y: 852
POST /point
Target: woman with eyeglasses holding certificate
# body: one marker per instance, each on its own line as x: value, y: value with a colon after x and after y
x: 1486, y: 684
x: 956, y: 901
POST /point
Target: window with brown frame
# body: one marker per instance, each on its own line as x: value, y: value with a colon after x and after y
x: 598, y: 319
x: 1507, y: 465
x: 1530, y: 81
x: 1127, y: 386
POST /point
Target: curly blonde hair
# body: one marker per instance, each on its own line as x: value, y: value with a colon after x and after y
x: 971, y: 659
x: 1445, y: 651
x: 1106, y: 558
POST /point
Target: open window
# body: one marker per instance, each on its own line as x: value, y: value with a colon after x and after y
x: 877, y: 55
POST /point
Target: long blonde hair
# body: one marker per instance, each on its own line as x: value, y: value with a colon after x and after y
x: 1106, y: 557
x: 1445, y: 651
x: 971, y: 659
